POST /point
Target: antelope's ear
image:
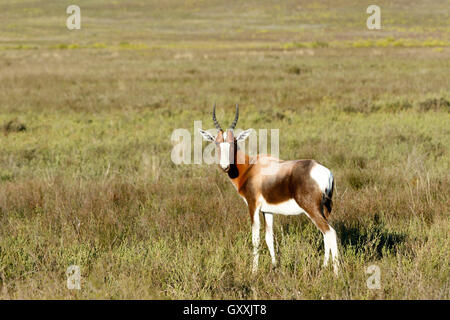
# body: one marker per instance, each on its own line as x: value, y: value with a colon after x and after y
x: 244, y: 135
x: 206, y: 135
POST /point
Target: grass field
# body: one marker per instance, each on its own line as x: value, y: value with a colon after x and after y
x: 86, y: 120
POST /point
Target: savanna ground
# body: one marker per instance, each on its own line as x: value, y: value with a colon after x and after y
x: 86, y: 176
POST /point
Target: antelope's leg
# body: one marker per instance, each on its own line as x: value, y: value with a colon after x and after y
x: 329, y: 238
x: 268, y: 217
x: 255, y: 239
x: 330, y: 241
x: 326, y: 244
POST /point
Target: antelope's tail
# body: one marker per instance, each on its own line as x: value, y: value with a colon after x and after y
x: 327, y: 202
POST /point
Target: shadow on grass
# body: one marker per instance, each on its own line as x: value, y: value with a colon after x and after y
x: 372, y: 239
x: 369, y: 238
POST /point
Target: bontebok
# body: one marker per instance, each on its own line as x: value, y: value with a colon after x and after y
x: 273, y: 186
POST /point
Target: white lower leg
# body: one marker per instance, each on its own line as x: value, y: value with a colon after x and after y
x: 330, y: 240
x: 255, y: 240
x: 269, y: 236
x: 327, y: 250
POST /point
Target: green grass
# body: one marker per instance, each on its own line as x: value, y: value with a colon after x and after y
x: 86, y: 119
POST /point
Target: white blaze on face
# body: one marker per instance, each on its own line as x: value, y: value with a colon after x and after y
x: 224, y: 160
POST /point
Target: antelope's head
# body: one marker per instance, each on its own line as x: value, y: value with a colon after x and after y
x: 226, y: 142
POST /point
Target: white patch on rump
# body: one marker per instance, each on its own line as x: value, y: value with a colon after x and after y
x: 289, y: 207
x: 322, y: 176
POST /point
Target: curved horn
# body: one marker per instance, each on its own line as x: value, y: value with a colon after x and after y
x: 236, y: 117
x: 216, y: 123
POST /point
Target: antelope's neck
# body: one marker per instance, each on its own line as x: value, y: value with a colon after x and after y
x: 239, y: 170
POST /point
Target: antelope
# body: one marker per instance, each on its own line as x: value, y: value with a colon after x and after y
x: 273, y: 186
